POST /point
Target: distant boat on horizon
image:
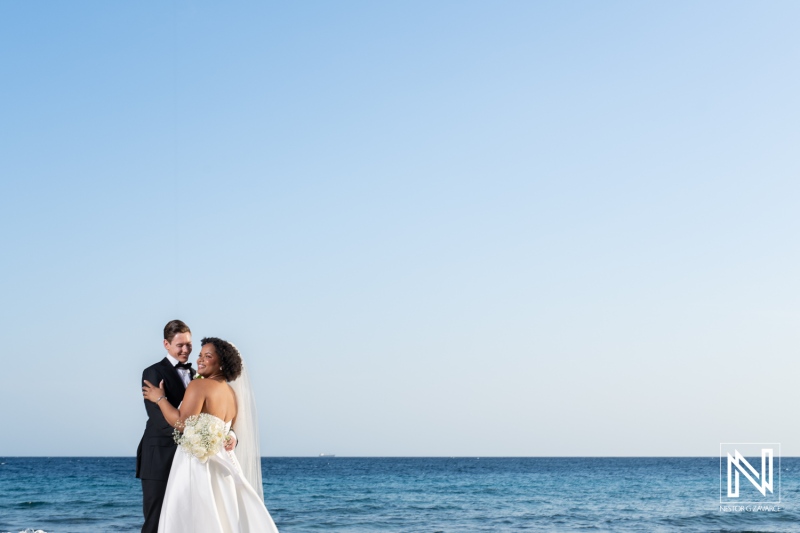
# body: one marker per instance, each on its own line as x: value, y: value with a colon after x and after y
x: 327, y: 455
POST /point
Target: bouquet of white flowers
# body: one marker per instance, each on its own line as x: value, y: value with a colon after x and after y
x: 202, y: 436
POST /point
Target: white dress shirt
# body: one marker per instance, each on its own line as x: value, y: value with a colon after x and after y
x: 184, y: 373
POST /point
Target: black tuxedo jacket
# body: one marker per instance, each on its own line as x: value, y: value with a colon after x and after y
x: 157, y: 447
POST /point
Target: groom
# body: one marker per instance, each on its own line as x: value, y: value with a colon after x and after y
x: 157, y: 448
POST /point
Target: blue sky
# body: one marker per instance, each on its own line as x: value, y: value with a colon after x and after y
x: 448, y: 228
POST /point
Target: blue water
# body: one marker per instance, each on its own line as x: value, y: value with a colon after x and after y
x: 88, y: 494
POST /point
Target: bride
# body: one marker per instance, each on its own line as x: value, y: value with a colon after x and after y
x: 219, y: 492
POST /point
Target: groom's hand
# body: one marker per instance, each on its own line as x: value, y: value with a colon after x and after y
x: 230, y: 442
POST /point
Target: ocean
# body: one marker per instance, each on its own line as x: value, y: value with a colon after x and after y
x: 394, y: 495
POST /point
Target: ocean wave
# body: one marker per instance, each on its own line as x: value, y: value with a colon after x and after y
x: 28, y: 505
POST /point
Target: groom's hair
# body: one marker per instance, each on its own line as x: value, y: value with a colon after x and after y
x: 229, y: 357
x: 174, y: 327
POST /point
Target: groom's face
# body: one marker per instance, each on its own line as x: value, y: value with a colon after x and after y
x: 180, y: 347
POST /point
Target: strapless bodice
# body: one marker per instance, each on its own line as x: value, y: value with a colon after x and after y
x: 227, y: 424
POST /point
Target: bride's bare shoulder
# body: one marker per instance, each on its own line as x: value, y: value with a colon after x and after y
x: 205, y: 385
x: 209, y: 386
x: 195, y: 383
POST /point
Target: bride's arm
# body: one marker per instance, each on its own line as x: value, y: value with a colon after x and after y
x: 192, y: 402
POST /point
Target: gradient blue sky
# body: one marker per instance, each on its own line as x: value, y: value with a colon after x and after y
x: 432, y: 228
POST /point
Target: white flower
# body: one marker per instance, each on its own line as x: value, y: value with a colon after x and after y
x: 202, y: 436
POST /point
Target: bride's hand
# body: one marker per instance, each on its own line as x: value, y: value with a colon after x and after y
x: 230, y: 442
x: 152, y: 392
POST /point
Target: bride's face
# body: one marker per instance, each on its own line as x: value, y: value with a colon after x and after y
x: 208, y: 362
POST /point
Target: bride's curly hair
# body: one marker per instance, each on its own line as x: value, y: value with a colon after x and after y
x: 229, y: 357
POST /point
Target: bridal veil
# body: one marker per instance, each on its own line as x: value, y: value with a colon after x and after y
x: 248, y: 452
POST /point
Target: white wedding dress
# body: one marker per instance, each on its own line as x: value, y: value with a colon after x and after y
x: 212, y: 497
x: 224, y: 494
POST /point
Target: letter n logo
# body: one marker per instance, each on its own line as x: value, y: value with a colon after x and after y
x: 739, y: 463
x: 736, y: 465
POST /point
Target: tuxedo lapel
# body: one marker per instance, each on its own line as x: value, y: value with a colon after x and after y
x: 173, y: 378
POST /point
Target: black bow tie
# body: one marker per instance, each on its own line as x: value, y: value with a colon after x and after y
x: 187, y: 366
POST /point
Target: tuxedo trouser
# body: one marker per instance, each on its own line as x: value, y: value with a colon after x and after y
x: 152, y: 497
